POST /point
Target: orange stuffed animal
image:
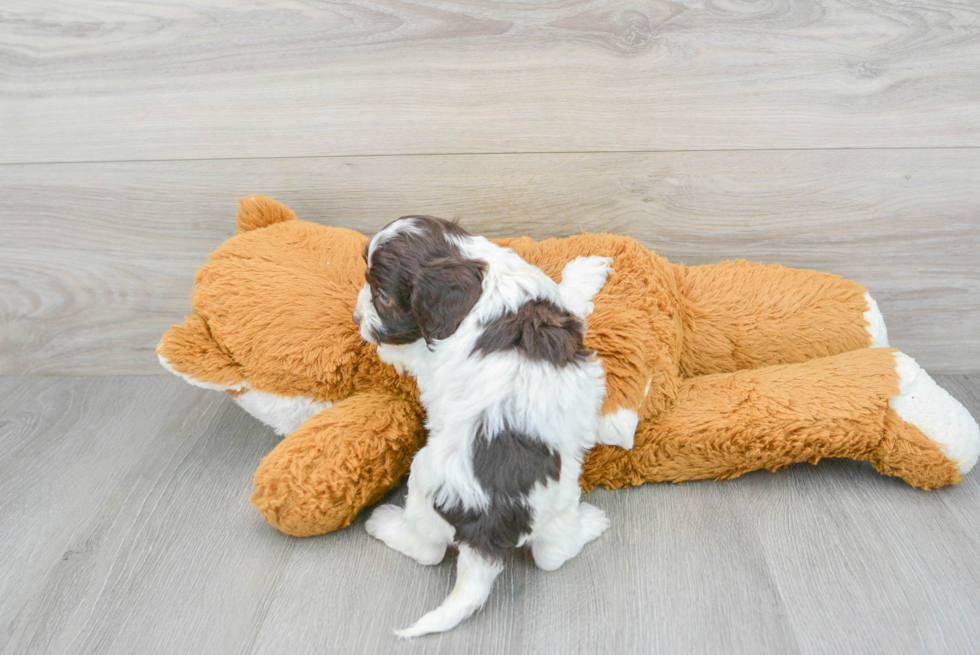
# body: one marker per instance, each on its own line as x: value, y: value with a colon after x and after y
x: 719, y: 369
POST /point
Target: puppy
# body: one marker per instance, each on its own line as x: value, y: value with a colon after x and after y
x: 511, y: 395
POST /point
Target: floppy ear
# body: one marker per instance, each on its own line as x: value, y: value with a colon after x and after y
x: 443, y: 293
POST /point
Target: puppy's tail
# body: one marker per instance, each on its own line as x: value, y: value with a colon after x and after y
x: 475, y: 574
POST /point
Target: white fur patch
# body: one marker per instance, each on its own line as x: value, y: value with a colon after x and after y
x: 415, y: 530
x: 563, y: 524
x: 398, y: 226
x: 581, y: 280
x: 876, y: 323
x: 938, y: 415
x: 370, y: 321
x: 198, y: 383
x: 619, y: 428
x: 283, y: 413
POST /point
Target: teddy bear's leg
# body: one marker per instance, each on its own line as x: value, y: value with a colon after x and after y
x: 562, y: 523
x: 740, y: 315
x: 872, y: 404
x: 875, y: 327
x: 341, y: 460
x: 939, y: 418
x: 415, y: 530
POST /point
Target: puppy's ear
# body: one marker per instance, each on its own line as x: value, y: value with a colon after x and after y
x: 443, y: 293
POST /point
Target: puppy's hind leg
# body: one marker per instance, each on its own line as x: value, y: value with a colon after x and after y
x: 563, y: 524
x: 563, y: 536
x: 581, y: 280
x: 415, y: 530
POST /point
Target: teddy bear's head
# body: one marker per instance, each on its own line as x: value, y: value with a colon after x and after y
x: 272, y: 319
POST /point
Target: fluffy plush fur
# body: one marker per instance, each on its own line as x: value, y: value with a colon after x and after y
x: 511, y: 395
x: 724, y: 369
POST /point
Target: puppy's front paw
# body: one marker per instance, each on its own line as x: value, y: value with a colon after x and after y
x: 392, y: 355
x: 618, y: 428
x: 581, y: 280
x: 587, y: 274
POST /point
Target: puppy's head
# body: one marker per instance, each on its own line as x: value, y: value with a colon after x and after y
x: 419, y: 285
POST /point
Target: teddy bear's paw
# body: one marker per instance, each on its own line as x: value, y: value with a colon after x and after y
x: 618, y: 428
x: 876, y: 323
x: 581, y: 280
x: 936, y: 414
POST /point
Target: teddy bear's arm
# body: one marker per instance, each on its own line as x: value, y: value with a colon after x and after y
x: 740, y: 315
x: 870, y: 404
x: 338, y: 462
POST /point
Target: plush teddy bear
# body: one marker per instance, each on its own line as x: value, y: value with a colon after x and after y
x: 718, y: 369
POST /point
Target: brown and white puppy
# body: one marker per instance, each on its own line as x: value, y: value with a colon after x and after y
x: 511, y: 395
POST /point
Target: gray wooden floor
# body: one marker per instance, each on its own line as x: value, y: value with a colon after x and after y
x: 127, y: 529
x: 841, y: 135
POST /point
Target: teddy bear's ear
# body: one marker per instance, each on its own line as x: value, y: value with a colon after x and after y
x: 258, y: 211
x: 189, y: 351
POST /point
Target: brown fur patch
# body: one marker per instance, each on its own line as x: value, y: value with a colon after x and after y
x: 507, y: 465
x: 443, y: 294
x: 540, y: 330
x: 421, y: 286
x: 740, y: 315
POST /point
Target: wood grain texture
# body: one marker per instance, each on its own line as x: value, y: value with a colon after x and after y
x: 65, y: 443
x: 842, y: 136
x: 128, y: 80
x: 855, y: 545
x: 625, y: 593
x: 97, y: 260
x: 167, y: 554
x: 126, y: 529
x: 864, y: 564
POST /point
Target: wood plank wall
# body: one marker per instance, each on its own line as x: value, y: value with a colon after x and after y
x: 812, y: 133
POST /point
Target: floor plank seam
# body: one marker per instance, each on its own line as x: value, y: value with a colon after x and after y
x: 650, y: 151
